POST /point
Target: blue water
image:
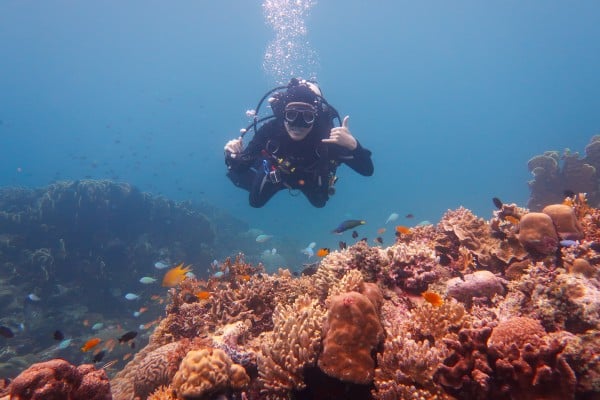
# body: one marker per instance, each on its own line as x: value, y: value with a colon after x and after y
x: 453, y: 99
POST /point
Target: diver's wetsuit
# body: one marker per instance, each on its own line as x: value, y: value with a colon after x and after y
x: 306, y: 165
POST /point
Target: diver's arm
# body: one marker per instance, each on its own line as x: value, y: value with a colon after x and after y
x: 359, y: 160
x: 241, y: 161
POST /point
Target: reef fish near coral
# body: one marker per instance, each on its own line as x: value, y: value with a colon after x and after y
x: 393, y: 216
x: 263, y: 238
x: 6, y: 332
x: 146, y: 280
x: 175, y: 276
x: 132, y: 296
x: 348, y: 224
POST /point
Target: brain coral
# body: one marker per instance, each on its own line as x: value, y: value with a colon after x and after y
x: 352, y: 331
x: 565, y: 220
x: 537, y: 233
x: 208, y: 372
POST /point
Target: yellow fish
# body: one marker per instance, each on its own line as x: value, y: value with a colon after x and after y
x: 175, y: 275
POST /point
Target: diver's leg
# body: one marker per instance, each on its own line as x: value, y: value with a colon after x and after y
x: 262, y: 190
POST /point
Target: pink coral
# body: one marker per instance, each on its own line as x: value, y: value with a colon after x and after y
x: 352, y: 331
x: 57, y: 379
x: 517, y: 370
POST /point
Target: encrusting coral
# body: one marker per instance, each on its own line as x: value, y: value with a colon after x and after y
x: 208, y: 372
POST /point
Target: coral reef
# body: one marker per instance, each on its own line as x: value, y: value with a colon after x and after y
x: 515, y: 314
x: 555, y: 173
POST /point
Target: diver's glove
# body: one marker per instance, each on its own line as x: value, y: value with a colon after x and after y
x: 233, y: 148
x: 342, y: 136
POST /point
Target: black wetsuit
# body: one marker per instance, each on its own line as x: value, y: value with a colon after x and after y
x: 272, y: 161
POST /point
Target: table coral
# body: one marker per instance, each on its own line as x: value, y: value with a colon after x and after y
x: 352, y: 331
x: 57, y: 379
x: 208, y: 372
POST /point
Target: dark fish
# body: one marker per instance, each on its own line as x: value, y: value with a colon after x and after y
x: 441, y: 249
x: 58, y: 335
x: 6, y: 332
x: 99, y: 356
x: 569, y: 193
x: 379, y: 239
x: 127, y: 337
x: 595, y: 246
x: 342, y: 245
x: 354, y: 234
x: 497, y: 203
x: 409, y: 216
x: 348, y: 224
x: 444, y: 259
x: 499, y: 235
x: 132, y: 345
x: 309, y: 269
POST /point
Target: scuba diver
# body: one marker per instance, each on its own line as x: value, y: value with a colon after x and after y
x: 297, y: 148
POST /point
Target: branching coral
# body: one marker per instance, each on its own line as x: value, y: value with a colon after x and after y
x: 292, y: 345
x: 406, y: 364
x: 514, y: 368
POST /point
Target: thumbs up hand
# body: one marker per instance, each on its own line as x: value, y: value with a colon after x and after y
x: 342, y: 136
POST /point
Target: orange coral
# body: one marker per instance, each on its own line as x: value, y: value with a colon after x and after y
x: 352, y: 331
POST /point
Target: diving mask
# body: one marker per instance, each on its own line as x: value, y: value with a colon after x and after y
x: 300, y: 114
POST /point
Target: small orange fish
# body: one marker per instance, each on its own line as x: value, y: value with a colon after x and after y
x: 90, y: 344
x: 86, y: 322
x: 126, y: 356
x: 175, y: 276
x: 380, y: 231
x: 143, y: 310
x: 203, y: 295
x: 403, y: 229
x: 433, y: 298
x: 511, y: 219
x: 245, y: 278
x: 322, y: 252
